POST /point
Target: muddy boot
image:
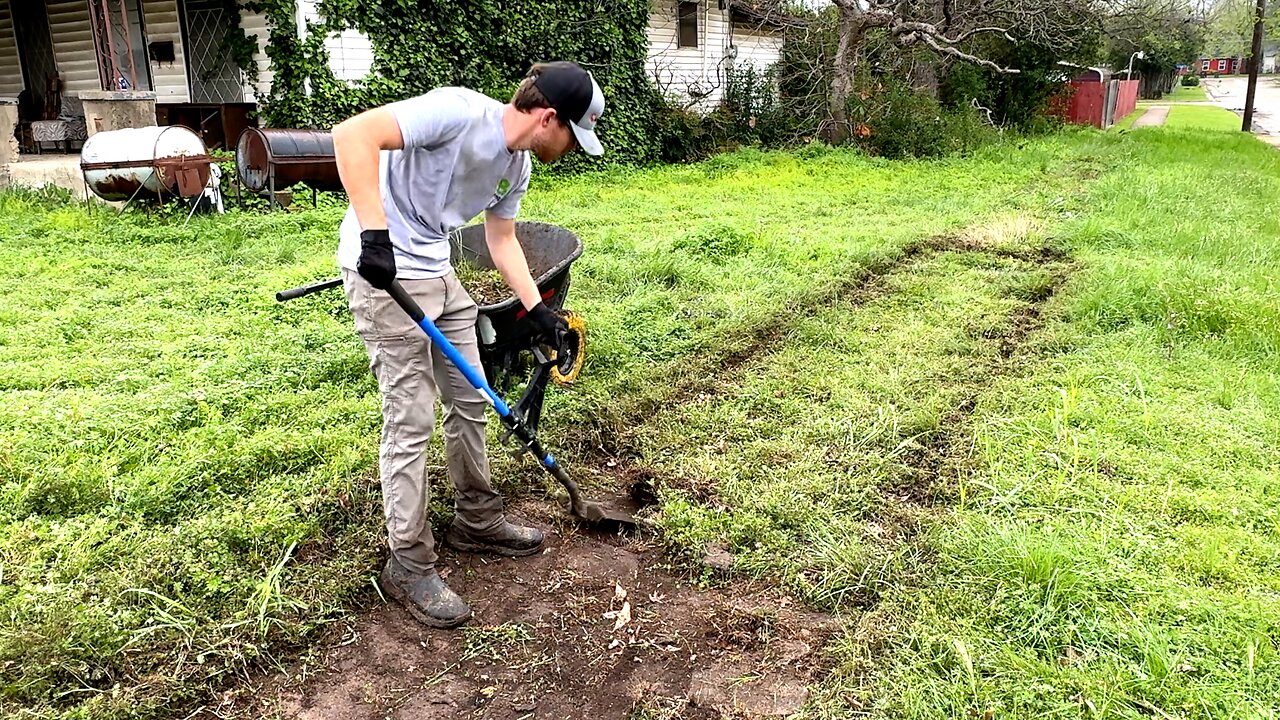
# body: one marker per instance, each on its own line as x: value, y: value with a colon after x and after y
x: 508, y: 540
x: 426, y: 597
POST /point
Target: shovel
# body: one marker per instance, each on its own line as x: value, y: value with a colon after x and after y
x: 589, y: 512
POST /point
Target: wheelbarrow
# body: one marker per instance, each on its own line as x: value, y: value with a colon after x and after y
x: 510, y: 350
x: 509, y: 347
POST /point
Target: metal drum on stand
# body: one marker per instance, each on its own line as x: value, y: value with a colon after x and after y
x: 150, y: 163
x: 271, y: 159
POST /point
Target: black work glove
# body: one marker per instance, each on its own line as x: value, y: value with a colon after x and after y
x: 550, y: 326
x: 377, y: 262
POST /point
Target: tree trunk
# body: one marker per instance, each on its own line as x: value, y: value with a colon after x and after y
x: 924, y: 67
x: 924, y: 77
x: 850, y: 31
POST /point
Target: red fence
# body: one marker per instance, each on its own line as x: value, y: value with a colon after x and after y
x: 1126, y: 99
x: 1100, y: 104
x: 1088, y: 103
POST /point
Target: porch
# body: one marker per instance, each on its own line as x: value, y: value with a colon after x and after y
x: 58, y: 55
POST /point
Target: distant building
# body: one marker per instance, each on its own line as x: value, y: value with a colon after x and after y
x: 1221, y: 66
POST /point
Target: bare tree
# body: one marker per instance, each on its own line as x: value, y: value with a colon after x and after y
x: 948, y: 28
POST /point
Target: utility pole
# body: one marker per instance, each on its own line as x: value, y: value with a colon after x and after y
x: 1255, y: 60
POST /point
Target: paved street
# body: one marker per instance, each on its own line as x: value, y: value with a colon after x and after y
x: 1229, y: 92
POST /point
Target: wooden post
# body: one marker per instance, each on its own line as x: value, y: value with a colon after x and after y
x: 1255, y: 61
x: 104, y: 12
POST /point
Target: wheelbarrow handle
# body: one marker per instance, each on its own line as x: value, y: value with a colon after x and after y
x: 315, y: 287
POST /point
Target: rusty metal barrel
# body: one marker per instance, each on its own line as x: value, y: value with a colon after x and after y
x: 146, y: 163
x: 269, y: 159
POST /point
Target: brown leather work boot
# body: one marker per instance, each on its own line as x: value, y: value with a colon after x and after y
x: 425, y: 596
x: 508, y: 540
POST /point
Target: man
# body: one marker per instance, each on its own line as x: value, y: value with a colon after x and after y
x: 414, y: 171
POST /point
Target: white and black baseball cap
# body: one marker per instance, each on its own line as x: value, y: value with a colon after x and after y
x: 576, y: 98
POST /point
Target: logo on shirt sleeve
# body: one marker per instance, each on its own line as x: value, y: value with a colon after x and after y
x: 503, y: 186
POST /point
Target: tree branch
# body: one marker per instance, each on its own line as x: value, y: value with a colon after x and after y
x: 956, y: 52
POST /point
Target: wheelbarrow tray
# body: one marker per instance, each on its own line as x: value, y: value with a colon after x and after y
x: 550, y: 250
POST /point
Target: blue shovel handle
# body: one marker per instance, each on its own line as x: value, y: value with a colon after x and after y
x: 410, y: 306
x: 530, y: 440
x: 591, y: 512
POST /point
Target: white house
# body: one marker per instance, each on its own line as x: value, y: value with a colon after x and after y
x: 693, y: 42
x: 52, y: 50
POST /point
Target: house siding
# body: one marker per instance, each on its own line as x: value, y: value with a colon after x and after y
x: 164, y: 24
x: 694, y: 73
x: 256, y: 24
x: 350, y: 55
x: 10, y: 67
x: 73, y: 48
x: 758, y: 47
x: 350, y: 52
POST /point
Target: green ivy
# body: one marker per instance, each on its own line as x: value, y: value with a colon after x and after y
x: 237, y: 45
x: 486, y: 45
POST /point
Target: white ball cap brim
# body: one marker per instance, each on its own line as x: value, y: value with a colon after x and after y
x: 584, y: 128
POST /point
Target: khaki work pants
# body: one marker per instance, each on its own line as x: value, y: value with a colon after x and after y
x: 411, y: 373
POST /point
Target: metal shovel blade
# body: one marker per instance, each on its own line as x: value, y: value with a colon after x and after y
x: 592, y: 512
x: 598, y: 514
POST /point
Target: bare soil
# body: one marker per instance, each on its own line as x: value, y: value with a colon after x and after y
x: 543, y: 644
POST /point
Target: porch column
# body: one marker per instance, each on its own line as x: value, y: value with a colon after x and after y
x: 118, y: 109
x: 8, y: 122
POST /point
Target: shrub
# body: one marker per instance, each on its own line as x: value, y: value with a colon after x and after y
x: 1190, y: 80
x: 751, y: 111
x: 892, y: 120
x: 682, y: 135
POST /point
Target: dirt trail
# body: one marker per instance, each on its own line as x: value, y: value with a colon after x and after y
x: 543, y: 645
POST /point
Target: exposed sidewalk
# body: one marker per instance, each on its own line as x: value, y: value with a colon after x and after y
x: 1154, y: 116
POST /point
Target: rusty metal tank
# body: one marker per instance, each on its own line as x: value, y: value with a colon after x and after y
x: 145, y: 163
x: 270, y: 159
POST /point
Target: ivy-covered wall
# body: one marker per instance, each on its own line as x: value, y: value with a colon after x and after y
x: 486, y: 45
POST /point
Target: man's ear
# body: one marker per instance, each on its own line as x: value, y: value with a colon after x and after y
x: 548, y: 117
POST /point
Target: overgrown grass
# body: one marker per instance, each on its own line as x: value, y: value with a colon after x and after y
x: 1080, y: 518
x: 187, y: 467
x: 1127, y: 121
x: 1114, y: 551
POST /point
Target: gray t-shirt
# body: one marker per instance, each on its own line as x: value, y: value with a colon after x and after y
x: 454, y: 165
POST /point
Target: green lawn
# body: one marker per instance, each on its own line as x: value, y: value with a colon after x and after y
x: 1203, y: 117
x: 1011, y: 417
x: 1183, y: 93
x: 1180, y: 94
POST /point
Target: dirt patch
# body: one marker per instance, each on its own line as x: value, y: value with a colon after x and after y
x: 551, y: 639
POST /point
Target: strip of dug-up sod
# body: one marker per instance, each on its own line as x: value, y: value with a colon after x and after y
x: 796, y: 488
